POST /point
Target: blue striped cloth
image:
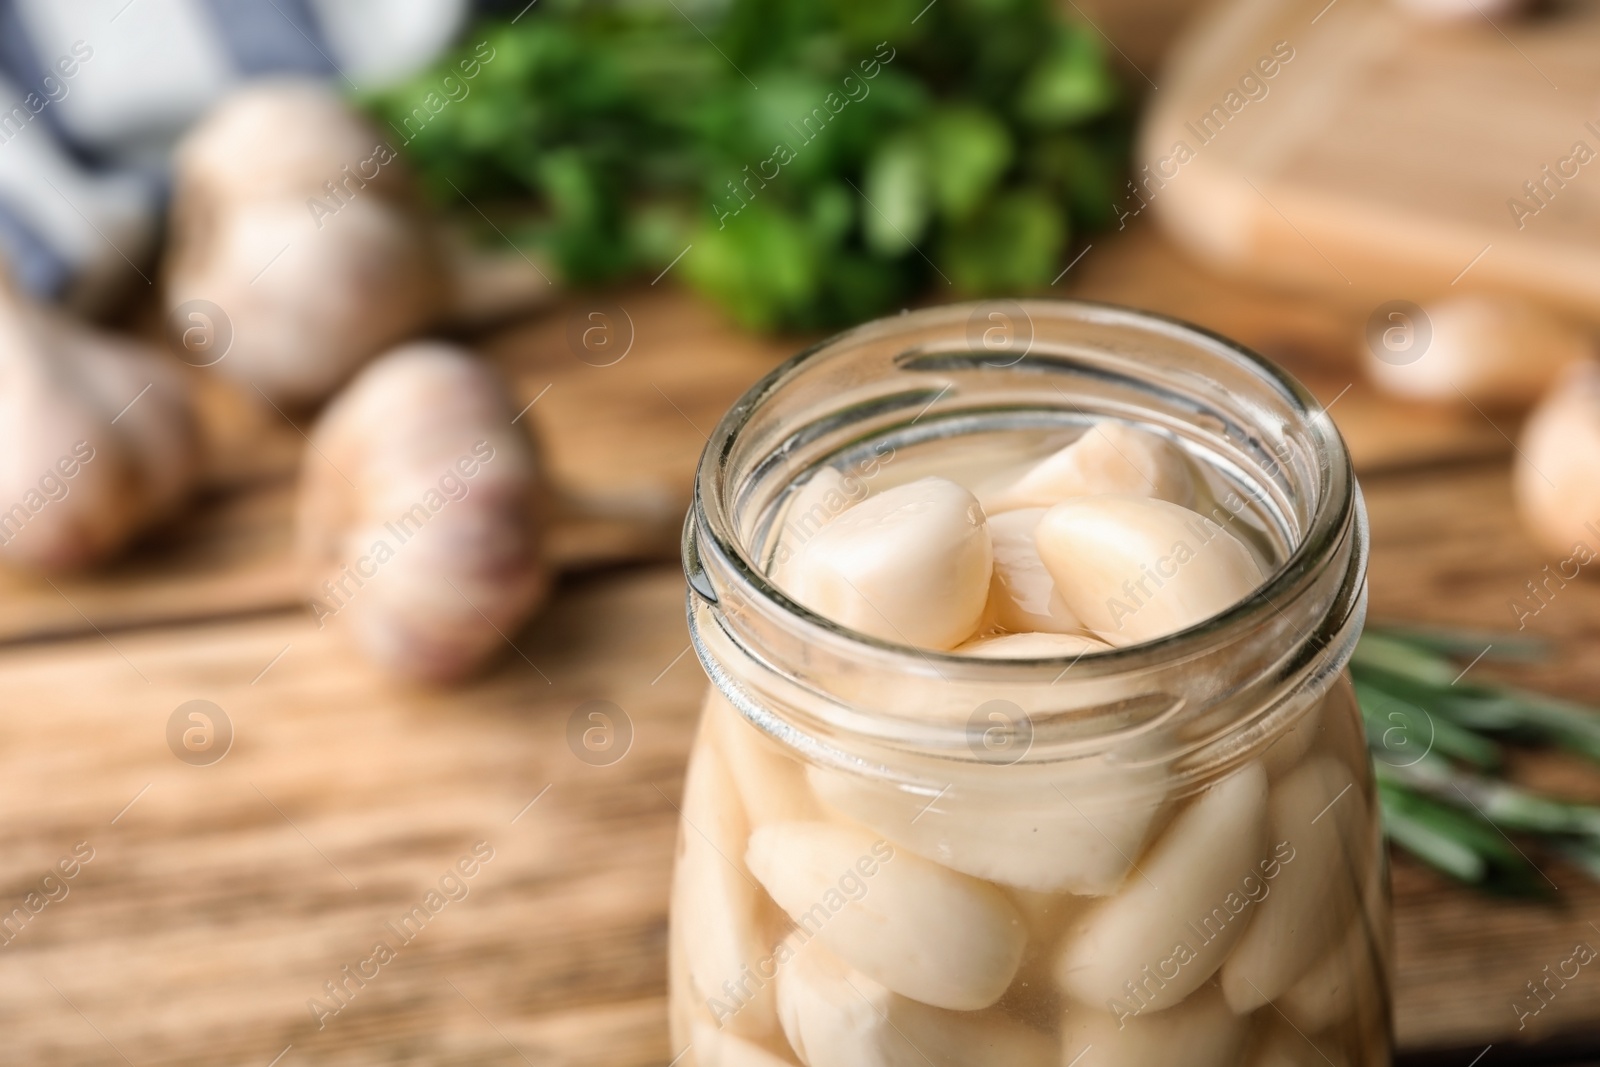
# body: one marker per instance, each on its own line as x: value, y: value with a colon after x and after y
x: 94, y: 94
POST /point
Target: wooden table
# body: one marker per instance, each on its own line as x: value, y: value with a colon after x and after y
x: 220, y: 899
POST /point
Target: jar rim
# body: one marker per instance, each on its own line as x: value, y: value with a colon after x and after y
x: 1251, y: 658
x: 1336, y: 495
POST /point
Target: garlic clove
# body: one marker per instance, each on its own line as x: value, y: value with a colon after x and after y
x: 910, y: 566
x: 1062, y: 835
x: 719, y: 910
x: 1022, y: 594
x: 1273, y: 1044
x: 1136, y: 568
x: 1176, y: 913
x: 1316, y: 816
x: 98, y: 438
x: 293, y: 216
x: 1491, y: 350
x: 1198, y: 1032
x: 1032, y: 646
x: 923, y: 931
x: 1556, y: 474
x: 1286, y: 752
x: 421, y: 514
x: 833, y: 1015
x: 823, y: 498
x: 772, y: 786
x: 1110, y: 457
x: 1331, y: 990
x: 718, y: 1048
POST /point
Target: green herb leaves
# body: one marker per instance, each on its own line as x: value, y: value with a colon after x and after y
x: 823, y: 161
x: 1438, y: 743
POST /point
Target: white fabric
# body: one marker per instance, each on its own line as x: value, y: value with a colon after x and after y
x: 156, y: 68
x: 381, y: 42
x: 85, y: 218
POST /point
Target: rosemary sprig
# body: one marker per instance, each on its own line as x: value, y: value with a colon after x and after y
x: 1438, y: 744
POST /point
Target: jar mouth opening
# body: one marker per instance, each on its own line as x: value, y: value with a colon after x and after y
x: 714, y: 533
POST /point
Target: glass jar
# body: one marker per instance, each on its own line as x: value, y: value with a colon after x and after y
x: 1162, y: 853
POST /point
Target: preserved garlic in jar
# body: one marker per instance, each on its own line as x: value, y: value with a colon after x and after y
x: 1029, y: 739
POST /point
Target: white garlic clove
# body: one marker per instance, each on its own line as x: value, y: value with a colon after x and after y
x: 1022, y: 594
x: 1332, y: 989
x: 833, y: 1015
x: 1199, y: 1032
x: 1032, y: 646
x: 1316, y: 816
x: 718, y: 910
x: 1556, y: 474
x: 1135, y: 568
x: 1286, y: 752
x: 98, y: 438
x: 823, y: 498
x: 1047, y: 917
x: 1060, y: 836
x: 294, y: 217
x: 421, y: 514
x: 1184, y: 907
x: 1491, y: 350
x: 684, y: 1011
x: 771, y: 786
x: 923, y: 931
x: 719, y: 1048
x: 910, y: 566
x: 1273, y: 1044
x: 1110, y: 457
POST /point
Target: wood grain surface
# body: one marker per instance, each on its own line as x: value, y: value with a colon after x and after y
x: 221, y: 898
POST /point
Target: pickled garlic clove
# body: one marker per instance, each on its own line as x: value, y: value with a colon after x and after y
x: 1272, y: 1044
x: 1135, y: 569
x: 910, y: 566
x: 1032, y: 646
x: 1110, y: 457
x: 1170, y: 927
x: 717, y: 1048
x: 1316, y: 815
x: 1062, y: 836
x: 834, y: 1016
x: 1291, y: 746
x: 923, y: 931
x: 1047, y: 916
x: 1022, y: 594
x: 1332, y: 989
x: 717, y: 905
x: 818, y: 502
x: 773, y: 788
x: 1199, y: 1032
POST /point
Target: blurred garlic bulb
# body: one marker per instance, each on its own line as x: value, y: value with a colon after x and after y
x: 97, y: 438
x: 1492, y: 350
x: 421, y: 514
x: 295, y: 218
x: 1556, y: 474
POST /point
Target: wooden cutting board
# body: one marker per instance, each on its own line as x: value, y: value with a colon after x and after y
x: 1385, y: 156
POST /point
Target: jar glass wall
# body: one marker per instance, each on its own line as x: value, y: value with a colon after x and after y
x: 1158, y: 853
